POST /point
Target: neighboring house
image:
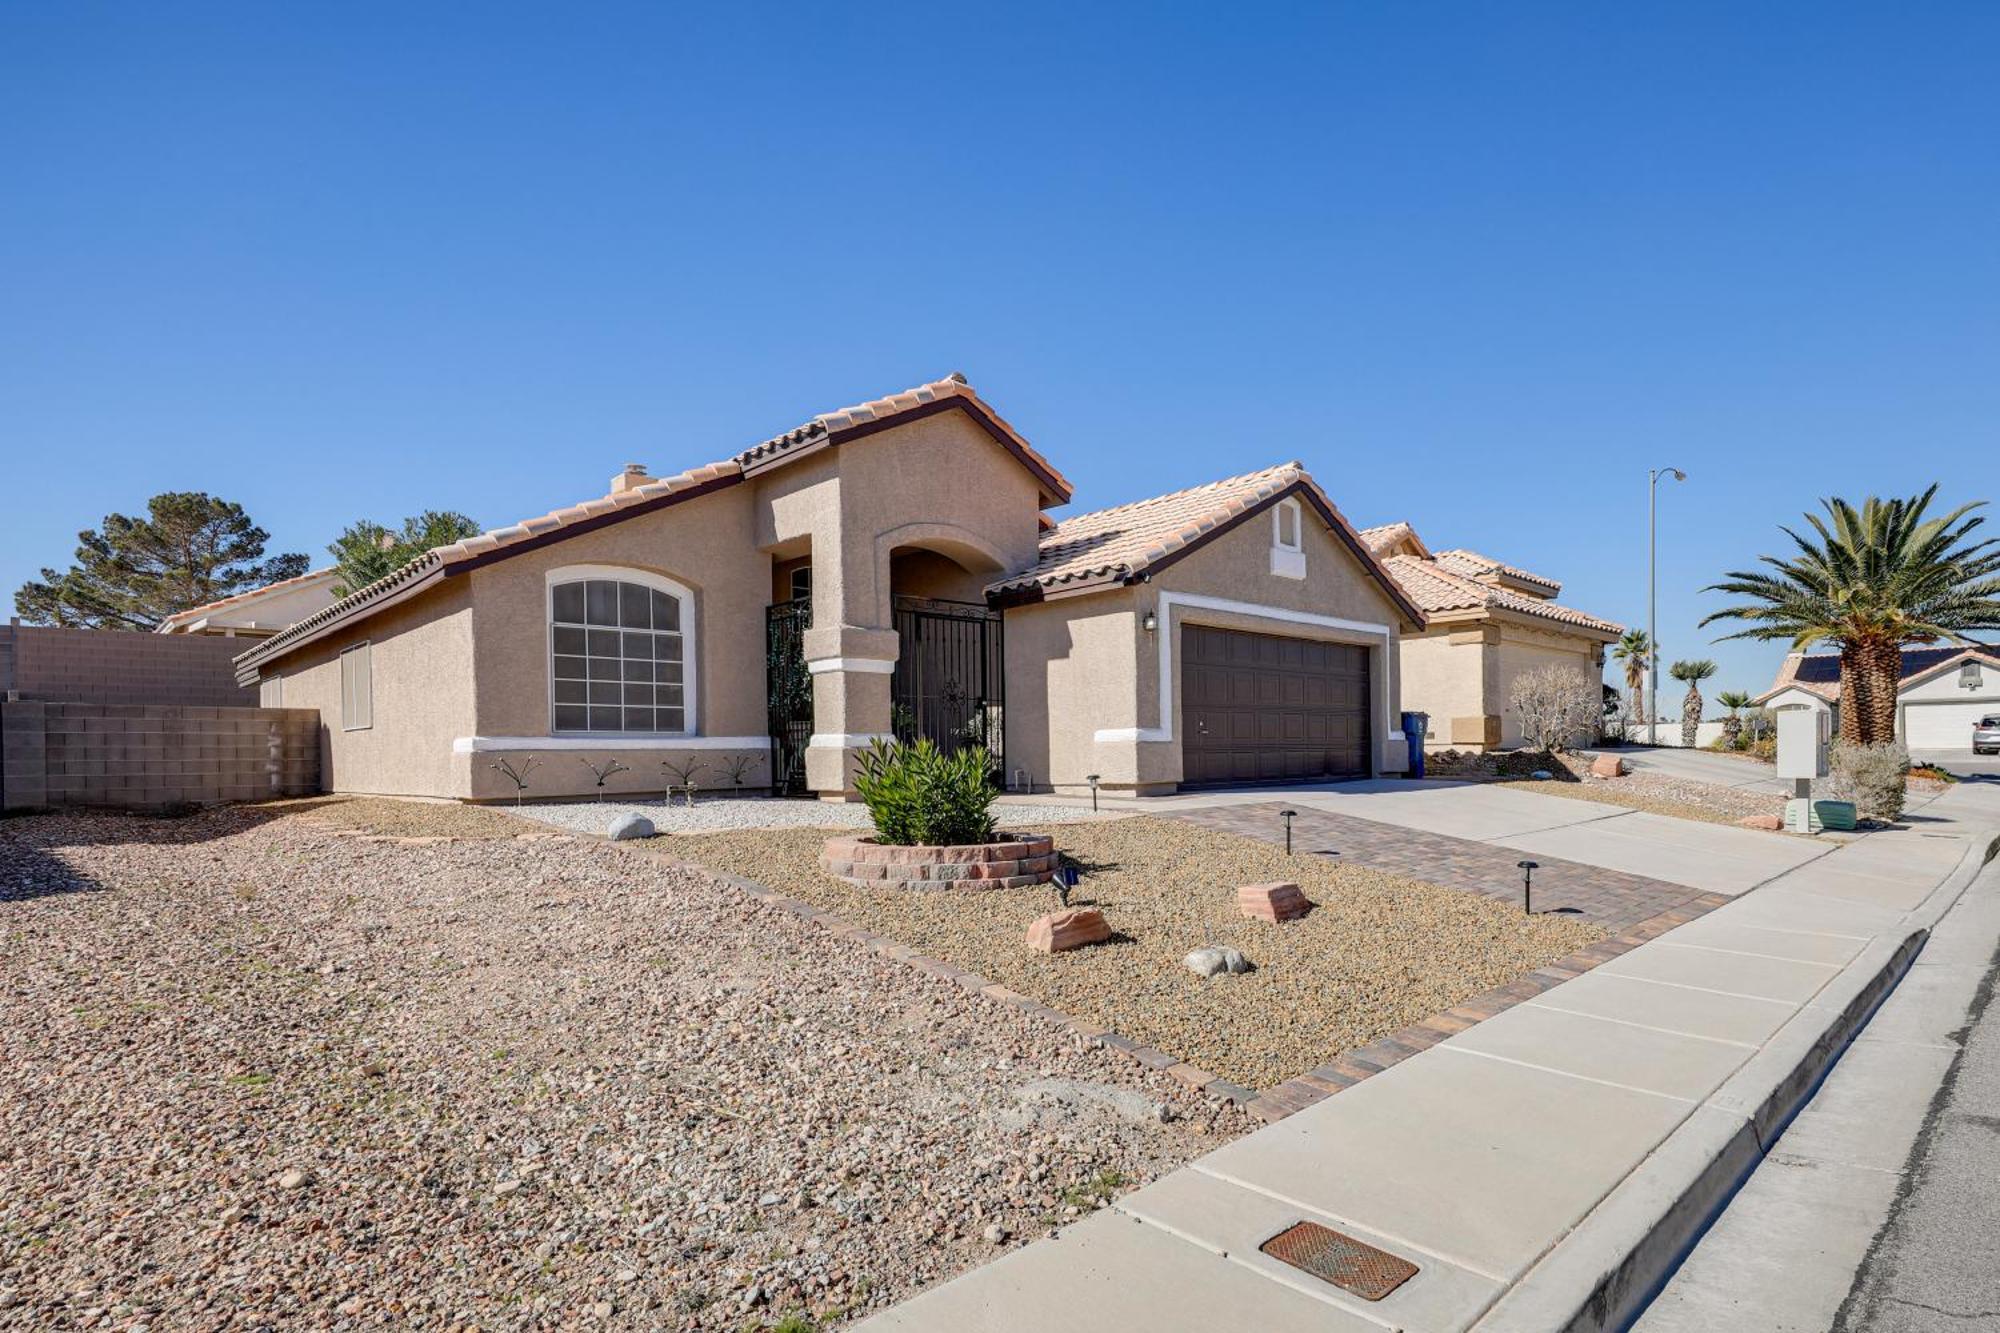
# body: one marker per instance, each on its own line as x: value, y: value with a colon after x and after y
x: 1942, y: 693
x: 885, y: 569
x: 260, y: 612
x: 1486, y: 624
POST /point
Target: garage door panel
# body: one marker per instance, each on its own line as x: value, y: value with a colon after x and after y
x: 1264, y: 708
x: 1945, y: 726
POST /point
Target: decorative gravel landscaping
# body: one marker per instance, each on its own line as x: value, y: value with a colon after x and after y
x: 712, y: 814
x: 1679, y: 797
x: 1380, y: 951
x: 262, y: 1073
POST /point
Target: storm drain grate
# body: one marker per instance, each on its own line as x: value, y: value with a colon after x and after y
x: 1347, y: 1263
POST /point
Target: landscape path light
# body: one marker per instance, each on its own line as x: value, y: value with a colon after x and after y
x: 1528, y: 869
x: 1288, y: 816
x: 1091, y: 778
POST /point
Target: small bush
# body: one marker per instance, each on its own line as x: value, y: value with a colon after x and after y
x: 1557, y: 707
x: 920, y: 796
x: 1874, y: 777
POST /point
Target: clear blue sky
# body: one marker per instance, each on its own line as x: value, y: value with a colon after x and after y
x: 1478, y: 265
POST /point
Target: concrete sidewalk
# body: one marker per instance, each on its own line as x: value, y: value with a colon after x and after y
x: 1542, y: 1168
x: 1878, y: 1206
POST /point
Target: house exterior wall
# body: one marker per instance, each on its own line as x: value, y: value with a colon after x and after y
x: 1084, y: 689
x: 421, y: 674
x: 707, y: 545
x: 1463, y: 676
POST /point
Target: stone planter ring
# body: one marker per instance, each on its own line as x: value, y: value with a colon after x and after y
x: 1015, y: 863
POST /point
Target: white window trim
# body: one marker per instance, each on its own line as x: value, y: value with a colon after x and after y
x: 1282, y: 615
x: 1288, y: 558
x: 690, y: 648
x: 346, y: 723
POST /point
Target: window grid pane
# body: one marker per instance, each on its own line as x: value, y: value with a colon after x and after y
x: 610, y: 642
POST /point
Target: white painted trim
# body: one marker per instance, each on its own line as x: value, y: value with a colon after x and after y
x: 690, y: 634
x: 1287, y: 564
x: 1283, y: 615
x: 846, y: 740
x: 866, y: 666
x: 489, y: 744
x: 1298, y: 541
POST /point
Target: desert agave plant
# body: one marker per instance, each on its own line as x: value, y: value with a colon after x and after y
x: 1694, y: 673
x: 1732, y: 726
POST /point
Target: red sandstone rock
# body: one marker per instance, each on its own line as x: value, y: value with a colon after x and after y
x: 1607, y: 766
x: 1274, y: 902
x: 1069, y: 929
x: 1769, y: 823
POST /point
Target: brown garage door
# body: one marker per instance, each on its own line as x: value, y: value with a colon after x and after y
x: 1260, y: 708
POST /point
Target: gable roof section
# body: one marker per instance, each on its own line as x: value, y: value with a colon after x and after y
x: 193, y: 613
x: 1819, y: 673
x: 1442, y: 592
x: 1119, y: 545
x: 1480, y: 567
x: 824, y: 431
x: 1384, y: 538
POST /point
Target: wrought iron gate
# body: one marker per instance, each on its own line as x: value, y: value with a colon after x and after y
x: 950, y: 676
x: 789, y: 691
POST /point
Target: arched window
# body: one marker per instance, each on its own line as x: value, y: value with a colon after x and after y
x: 621, y: 652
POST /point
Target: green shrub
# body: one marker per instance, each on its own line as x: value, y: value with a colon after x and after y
x: 1874, y: 777
x: 919, y: 795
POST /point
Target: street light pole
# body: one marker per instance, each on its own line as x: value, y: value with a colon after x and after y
x: 1653, y: 598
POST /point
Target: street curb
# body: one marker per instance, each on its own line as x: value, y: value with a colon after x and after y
x: 1609, y: 1267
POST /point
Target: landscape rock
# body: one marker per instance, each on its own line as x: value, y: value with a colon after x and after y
x: 1273, y: 902
x: 630, y: 825
x: 292, y: 1179
x: 1214, y: 960
x: 1072, y: 928
x: 1769, y: 823
x: 1608, y: 766
x: 994, y: 1234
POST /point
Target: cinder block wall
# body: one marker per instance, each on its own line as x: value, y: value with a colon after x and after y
x: 141, y: 757
x: 121, y: 667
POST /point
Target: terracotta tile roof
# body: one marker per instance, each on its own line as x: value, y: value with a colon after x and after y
x: 1385, y: 535
x: 826, y: 428
x: 1439, y: 590
x: 802, y: 439
x: 1476, y: 566
x: 197, y: 612
x: 1819, y: 673
x: 1110, y: 546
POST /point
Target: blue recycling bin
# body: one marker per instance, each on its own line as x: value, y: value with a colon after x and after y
x: 1415, y: 725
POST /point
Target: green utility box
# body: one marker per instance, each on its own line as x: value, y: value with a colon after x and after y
x: 1809, y: 816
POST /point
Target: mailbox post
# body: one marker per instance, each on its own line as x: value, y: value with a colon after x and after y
x: 1805, y: 743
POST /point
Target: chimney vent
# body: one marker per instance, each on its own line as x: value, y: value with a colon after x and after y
x: 633, y: 477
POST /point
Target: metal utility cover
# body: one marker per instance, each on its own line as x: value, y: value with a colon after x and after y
x: 1347, y: 1263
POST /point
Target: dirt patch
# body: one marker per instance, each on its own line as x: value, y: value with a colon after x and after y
x: 389, y: 817
x: 1378, y: 952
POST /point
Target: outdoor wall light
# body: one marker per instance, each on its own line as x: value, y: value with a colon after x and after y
x: 1528, y: 869
x: 1091, y: 778
x: 1288, y: 816
x: 1151, y: 623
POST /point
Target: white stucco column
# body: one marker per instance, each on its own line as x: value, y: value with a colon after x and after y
x: 851, y: 669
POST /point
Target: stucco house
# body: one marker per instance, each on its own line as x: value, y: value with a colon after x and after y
x: 884, y: 569
x: 1943, y: 691
x: 1485, y: 624
x: 259, y: 612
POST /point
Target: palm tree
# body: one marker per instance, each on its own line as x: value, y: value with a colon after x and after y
x: 1694, y: 673
x: 1877, y: 578
x: 1633, y: 648
x: 1732, y: 726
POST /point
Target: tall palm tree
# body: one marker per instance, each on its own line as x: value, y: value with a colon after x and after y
x: 1732, y: 726
x: 1694, y: 673
x: 1877, y: 578
x: 1633, y: 648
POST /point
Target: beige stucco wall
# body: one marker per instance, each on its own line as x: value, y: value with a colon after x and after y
x: 1463, y: 674
x: 421, y: 661
x: 1102, y: 669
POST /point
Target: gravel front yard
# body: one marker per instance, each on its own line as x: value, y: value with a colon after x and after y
x: 1680, y: 797
x: 1379, y: 952
x: 261, y: 1075
x: 716, y: 813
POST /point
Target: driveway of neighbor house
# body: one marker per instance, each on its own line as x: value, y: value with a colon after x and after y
x: 1546, y: 1164
x: 1722, y: 770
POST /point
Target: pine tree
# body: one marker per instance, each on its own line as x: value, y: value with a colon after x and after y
x: 189, y: 549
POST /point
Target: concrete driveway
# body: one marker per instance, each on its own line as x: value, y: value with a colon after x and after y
x: 1715, y: 858
x: 1719, y: 770
x: 1960, y: 763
